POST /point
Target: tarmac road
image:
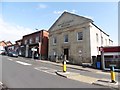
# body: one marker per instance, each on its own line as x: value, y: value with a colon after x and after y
x: 16, y: 74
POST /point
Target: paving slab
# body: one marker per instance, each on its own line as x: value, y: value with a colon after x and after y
x: 90, y: 80
x: 77, y: 76
x: 107, y: 83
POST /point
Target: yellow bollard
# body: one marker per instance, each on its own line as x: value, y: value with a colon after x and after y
x: 64, y: 66
x: 112, y: 75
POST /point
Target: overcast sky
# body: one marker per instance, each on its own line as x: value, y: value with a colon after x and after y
x: 21, y: 18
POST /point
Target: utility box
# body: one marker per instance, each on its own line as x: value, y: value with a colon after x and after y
x: 98, y: 65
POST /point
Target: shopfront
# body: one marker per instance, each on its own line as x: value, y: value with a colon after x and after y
x: 111, y: 57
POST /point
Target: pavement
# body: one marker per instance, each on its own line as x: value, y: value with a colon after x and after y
x: 86, y: 79
x: 90, y: 80
x: 77, y: 67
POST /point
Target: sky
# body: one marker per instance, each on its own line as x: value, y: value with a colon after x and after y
x: 21, y: 18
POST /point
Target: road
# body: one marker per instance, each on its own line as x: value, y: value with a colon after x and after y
x: 16, y: 74
x: 57, y: 67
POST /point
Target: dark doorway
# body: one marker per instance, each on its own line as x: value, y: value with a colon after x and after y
x: 66, y: 52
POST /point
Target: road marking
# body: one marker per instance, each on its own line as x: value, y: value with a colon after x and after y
x: 10, y: 59
x: 23, y: 63
x: 46, y: 70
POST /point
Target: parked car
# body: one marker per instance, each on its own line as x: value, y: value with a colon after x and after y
x: 2, y: 52
x: 13, y: 54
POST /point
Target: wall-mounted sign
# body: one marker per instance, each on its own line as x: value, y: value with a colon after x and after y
x: 66, y: 23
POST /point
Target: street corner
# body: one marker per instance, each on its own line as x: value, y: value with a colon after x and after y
x: 107, y: 83
x: 66, y: 74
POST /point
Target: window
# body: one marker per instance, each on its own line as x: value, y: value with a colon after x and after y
x: 110, y: 42
x: 54, y: 40
x: 80, y: 36
x: 30, y: 41
x: 102, y: 40
x: 25, y: 41
x: 97, y: 40
x: 66, y: 38
x: 106, y: 41
x: 37, y: 39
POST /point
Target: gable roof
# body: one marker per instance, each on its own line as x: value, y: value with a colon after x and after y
x: 35, y: 32
x: 2, y: 42
x: 69, y: 14
x: 100, y: 29
x: 8, y: 43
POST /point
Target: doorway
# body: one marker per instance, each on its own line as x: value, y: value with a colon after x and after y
x: 66, y: 52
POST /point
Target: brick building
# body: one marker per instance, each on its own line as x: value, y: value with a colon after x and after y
x: 2, y: 45
x: 5, y: 45
x: 36, y: 42
x: 8, y: 43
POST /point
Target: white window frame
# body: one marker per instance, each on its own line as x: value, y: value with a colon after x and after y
x: 77, y: 36
x: 26, y: 41
x: 37, y: 39
x: 101, y: 40
x: 106, y: 42
x: 54, y: 43
x: 65, y: 38
x: 30, y: 41
x: 97, y: 39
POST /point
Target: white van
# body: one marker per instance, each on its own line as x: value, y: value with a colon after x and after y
x: 2, y: 50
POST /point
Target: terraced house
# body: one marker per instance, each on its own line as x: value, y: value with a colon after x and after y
x: 77, y: 37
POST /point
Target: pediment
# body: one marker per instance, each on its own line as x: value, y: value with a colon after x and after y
x: 67, y: 20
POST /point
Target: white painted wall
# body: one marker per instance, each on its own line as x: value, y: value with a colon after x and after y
x: 94, y: 44
x: 2, y: 48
